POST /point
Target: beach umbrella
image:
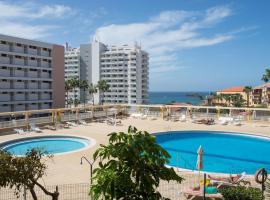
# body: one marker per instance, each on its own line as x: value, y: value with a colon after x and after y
x: 199, y: 164
x: 254, y: 114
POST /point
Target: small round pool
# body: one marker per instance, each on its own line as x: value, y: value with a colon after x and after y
x: 50, y: 144
x: 224, y: 152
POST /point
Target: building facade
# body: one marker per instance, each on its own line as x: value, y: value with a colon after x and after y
x: 72, y: 70
x: 124, y: 68
x: 31, y: 75
x: 261, y: 95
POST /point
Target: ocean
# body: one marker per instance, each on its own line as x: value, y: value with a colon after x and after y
x: 183, y: 97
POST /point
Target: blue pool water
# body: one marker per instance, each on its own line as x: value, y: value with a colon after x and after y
x: 223, y: 152
x: 53, y: 145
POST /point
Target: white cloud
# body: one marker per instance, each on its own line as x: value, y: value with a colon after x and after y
x: 169, y: 32
x: 32, y: 11
x: 25, y: 30
x: 19, y: 20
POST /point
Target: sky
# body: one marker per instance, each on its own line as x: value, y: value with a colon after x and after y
x: 193, y: 45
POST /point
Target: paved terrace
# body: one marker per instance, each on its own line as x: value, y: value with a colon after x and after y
x: 66, y: 169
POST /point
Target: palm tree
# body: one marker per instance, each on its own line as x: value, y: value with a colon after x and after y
x: 83, y: 84
x: 67, y: 89
x: 266, y: 75
x: 247, y: 90
x: 103, y: 86
x: 228, y: 99
x: 92, y: 89
x: 75, y: 83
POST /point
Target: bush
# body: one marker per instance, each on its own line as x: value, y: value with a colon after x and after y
x: 241, y: 193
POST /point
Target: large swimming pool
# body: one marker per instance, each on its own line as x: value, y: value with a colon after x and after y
x: 51, y: 144
x: 223, y: 152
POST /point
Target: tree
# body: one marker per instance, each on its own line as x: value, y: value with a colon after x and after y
x: 68, y: 88
x: 266, y: 75
x: 20, y: 172
x: 103, y: 86
x: 131, y: 167
x: 75, y: 83
x: 247, y: 90
x: 92, y: 90
x: 83, y: 84
x: 228, y: 99
x: 237, y: 100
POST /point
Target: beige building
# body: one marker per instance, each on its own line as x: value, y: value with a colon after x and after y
x: 261, y: 95
x: 31, y: 75
x: 229, y: 91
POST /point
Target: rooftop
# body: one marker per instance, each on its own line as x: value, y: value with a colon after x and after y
x: 262, y: 86
x: 233, y: 89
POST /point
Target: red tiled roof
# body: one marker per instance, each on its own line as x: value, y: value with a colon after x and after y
x: 233, y: 89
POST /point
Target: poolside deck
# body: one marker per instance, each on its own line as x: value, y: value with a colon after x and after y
x: 66, y: 169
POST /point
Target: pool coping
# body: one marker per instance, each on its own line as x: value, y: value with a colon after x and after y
x: 92, y: 142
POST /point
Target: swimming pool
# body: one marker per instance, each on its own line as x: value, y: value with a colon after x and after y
x: 224, y: 152
x: 51, y: 144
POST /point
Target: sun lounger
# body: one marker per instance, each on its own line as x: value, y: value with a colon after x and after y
x: 83, y: 122
x: 136, y: 115
x: 222, y: 183
x: 192, y: 194
x: 63, y: 125
x: 50, y: 127
x: 72, y: 124
x: 144, y: 116
x: 111, y: 121
x: 19, y: 131
x: 34, y: 128
x: 183, y: 118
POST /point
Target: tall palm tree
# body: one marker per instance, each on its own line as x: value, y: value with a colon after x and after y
x: 247, y: 90
x: 266, y: 75
x: 75, y: 83
x: 67, y: 89
x: 103, y: 86
x: 92, y: 89
x: 83, y: 84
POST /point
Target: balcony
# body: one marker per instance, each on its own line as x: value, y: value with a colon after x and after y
x: 33, y: 63
x: 4, y: 47
x: 18, y: 49
x: 4, y: 60
x: 4, y: 72
x: 4, y: 84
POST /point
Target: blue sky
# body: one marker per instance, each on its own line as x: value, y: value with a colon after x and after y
x: 194, y: 45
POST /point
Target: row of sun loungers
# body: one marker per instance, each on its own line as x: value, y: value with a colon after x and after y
x: 34, y: 128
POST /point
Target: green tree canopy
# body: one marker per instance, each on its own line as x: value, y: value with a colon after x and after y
x: 266, y: 75
x: 20, y: 172
x: 131, y: 167
x: 103, y: 86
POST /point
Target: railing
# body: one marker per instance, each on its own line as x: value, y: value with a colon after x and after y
x: 15, y: 119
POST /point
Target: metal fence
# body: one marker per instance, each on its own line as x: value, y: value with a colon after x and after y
x: 66, y: 192
x: 172, y: 190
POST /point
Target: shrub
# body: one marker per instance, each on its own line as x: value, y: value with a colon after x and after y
x: 241, y: 193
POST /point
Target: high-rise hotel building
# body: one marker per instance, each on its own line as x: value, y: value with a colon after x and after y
x: 72, y: 70
x: 125, y: 68
x: 31, y: 75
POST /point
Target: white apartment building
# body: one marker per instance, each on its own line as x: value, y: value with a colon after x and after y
x: 72, y: 70
x: 125, y: 68
x: 31, y: 75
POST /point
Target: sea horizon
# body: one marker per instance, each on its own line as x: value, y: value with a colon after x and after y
x: 191, y: 97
